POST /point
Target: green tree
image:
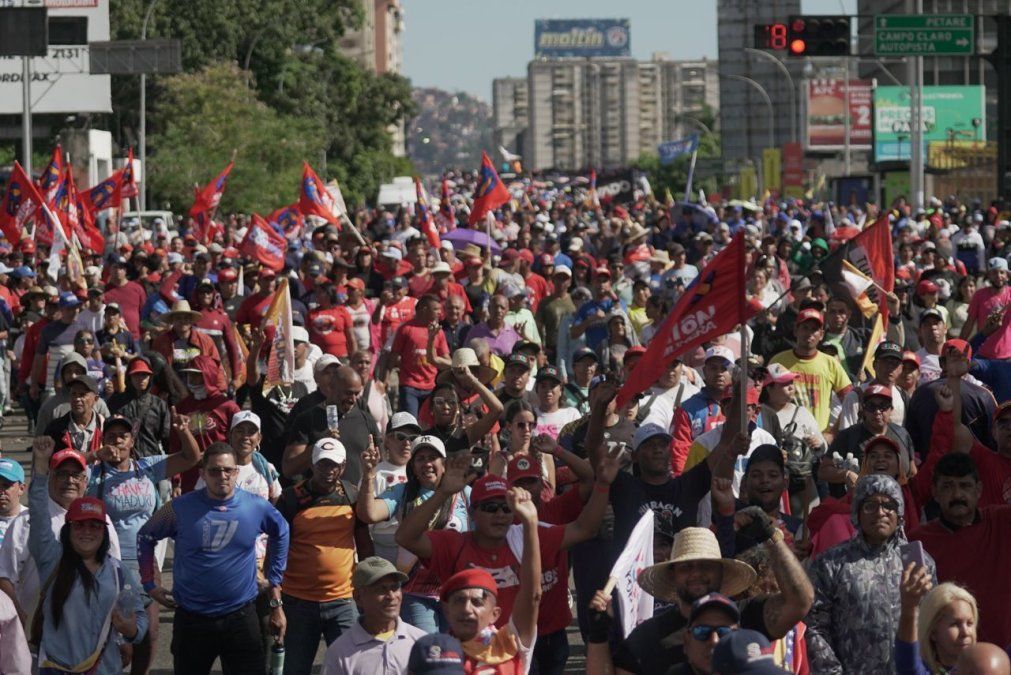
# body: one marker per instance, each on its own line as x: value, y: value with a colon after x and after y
x: 202, y: 118
x: 674, y: 176
x: 294, y: 66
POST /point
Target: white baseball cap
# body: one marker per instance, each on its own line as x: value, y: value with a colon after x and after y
x: 441, y: 268
x: 720, y: 352
x: 299, y: 334
x: 329, y: 448
x: 428, y: 441
x: 401, y: 420
x: 245, y: 416
x: 324, y: 362
x: 563, y: 269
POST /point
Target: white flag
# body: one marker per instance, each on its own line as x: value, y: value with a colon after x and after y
x: 634, y: 604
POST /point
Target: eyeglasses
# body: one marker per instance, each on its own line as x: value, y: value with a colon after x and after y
x: 494, y: 507
x: 877, y: 407
x: 870, y: 507
x: 439, y: 400
x: 223, y: 470
x: 401, y: 436
x: 702, y: 633
x: 71, y: 476
x: 86, y: 341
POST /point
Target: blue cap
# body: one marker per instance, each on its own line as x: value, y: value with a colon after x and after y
x: 436, y: 654
x: 24, y: 271
x: 12, y: 471
x: 745, y: 652
x: 68, y: 300
x: 648, y: 431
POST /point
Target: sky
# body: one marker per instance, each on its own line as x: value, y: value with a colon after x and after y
x: 462, y: 45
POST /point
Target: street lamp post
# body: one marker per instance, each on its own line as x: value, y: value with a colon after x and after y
x: 793, y: 88
x: 697, y: 123
x: 768, y: 103
x: 143, y: 114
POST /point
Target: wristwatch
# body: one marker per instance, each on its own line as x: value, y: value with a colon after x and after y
x: 274, y: 603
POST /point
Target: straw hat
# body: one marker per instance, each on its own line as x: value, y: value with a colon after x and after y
x: 662, y: 257
x: 181, y: 310
x: 465, y: 357
x: 635, y: 231
x: 696, y: 543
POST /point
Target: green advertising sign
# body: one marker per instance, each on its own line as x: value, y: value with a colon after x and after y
x: 924, y: 34
x: 949, y: 113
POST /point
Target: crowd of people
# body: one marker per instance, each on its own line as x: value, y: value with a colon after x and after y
x: 445, y: 479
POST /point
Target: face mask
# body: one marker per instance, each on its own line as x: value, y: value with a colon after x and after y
x: 199, y: 393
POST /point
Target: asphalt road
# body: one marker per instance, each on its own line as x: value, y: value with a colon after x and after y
x: 16, y: 444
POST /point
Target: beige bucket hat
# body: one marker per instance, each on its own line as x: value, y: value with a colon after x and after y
x: 696, y: 543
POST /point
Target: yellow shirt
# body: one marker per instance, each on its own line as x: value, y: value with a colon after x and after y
x: 817, y: 379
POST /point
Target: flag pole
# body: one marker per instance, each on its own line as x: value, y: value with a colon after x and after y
x: 745, y: 347
x: 691, y: 176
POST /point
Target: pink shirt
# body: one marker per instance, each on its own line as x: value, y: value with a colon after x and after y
x: 984, y: 301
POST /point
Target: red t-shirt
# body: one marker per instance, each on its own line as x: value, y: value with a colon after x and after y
x: 131, y: 298
x: 976, y: 557
x: 328, y: 329
x: 394, y: 315
x: 453, y: 551
x: 994, y: 470
x: 253, y: 309
x: 411, y: 343
x: 538, y: 286
x: 419, y: 284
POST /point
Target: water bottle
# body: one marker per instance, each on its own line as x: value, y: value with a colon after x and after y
x: 277, y: 658
x: 126, y: 601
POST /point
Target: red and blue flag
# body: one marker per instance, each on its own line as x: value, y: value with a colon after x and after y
x: 490, y: 192
x: 426, y: 222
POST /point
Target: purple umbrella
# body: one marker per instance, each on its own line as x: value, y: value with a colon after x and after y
x: 462, y: 236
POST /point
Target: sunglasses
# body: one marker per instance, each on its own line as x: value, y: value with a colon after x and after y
x: 401, y: 436
x: 494, y: 507
x: 869, y: 507
x: 877, y: 407
x: 703, y: 633
x: 223, y: 470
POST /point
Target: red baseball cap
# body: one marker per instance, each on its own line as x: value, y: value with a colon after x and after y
x: 154, y: 278
x: 355, y: 282
x: 602, y: 272
x: 811, y: 314
x: 267, y: 273
x: 632, y: 352
x: 911, y: 357
x: 86, y: 508
x: 777, y: 373
x: 927, y: 286
x: 227, y: 274
x: 519, y: 467
x: 527, y: 255
x: 547, y: 259
x: 878, y: 390
x: 958, y: 345
x: 473, y: 262
x: 510, y: 254
x: 488, y: 487
x: 139, y: 365
x: 475, y: 577
x: 68, y: 455
x: 752, y: 397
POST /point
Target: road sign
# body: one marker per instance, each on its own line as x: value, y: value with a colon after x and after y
x: 137, y: 57
x: 924, y: 34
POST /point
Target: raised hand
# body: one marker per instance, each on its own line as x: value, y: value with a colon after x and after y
x: 179, y: 422
x: 544, y: 444
x: 258, y: 335
x: 42, y: 449
x: 370, y: 457
x: 433, y: 330
x: 454, y: 478
x: 945, y: 399
x: 722, y: 490
x: 956, y: 363
x: 915, y: 584
x: 610, y: 464
x: 522, y: 505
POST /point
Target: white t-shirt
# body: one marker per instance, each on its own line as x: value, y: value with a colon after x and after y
x: 16, y: 564
x: 850, y: 413
x: 551, y: 423
x: 387, y: 475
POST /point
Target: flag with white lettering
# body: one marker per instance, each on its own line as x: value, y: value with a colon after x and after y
x: 262, y: 243
x: 281, y: 361
x: 634, y: 604
x: 671, y: 150
x: 712, y: 306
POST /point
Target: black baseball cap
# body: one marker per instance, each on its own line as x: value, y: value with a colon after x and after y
x: 549, y: 373
x: 888, y: 350
x: 766, y: 453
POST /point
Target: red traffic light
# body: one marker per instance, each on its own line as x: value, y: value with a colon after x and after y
x: 797, y: 25
x: 797, y: 46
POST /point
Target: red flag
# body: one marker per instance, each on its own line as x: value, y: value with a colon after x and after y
x: 446, y: 214
x: 128, y: 186
x: 489, y: 194
x: 287, y: 220
x: 264, y: 244
x: 208, y: 197
x: 870, y: 252
x: 424, y: 213
x: 52, y: 176
x: 105, y: 195
x: 79, y: 219
x: 19, y: 204
x: 709, y: 308
x: 315, y: 200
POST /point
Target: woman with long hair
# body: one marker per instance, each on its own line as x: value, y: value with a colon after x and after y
x: 420, y: 605
x: 85, y: 599
x: 935, y: 624
x: 520, y: 422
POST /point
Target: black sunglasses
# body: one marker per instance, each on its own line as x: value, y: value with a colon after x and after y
x: 494, y: 507
x: 702, y: 633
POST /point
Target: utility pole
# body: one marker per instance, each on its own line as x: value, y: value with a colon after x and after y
x: 915, y: 72
x: 26, y: 114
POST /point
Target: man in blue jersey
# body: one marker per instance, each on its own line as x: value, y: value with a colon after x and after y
x: 214, y: 595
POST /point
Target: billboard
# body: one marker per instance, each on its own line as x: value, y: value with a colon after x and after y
x: 61, y: 81
x: 554, y: 38
x: 826, y: 114
x: 950, y: 113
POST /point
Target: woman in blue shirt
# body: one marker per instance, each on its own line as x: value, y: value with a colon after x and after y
x: 128, y: 487
x: 81, y: 605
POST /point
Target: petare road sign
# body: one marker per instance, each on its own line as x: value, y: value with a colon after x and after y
x: 924, y: 34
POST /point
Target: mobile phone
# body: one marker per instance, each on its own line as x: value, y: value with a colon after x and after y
x: 912, y: 552
x: 332, y: 418
x: 478, y: 461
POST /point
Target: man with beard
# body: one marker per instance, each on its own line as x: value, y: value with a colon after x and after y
x: 326, y: 535
x: 695, y: 570
x: 964, y: 529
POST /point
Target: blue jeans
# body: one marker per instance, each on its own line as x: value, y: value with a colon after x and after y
x: 410, y: 399
x: 423, y: 613
x: 307, y: 620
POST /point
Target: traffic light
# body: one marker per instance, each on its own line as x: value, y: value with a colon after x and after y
x: 818, y: 36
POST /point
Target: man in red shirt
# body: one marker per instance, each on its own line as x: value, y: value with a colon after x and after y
x: 409, y: 353
x: 181, y: 343
x: 446, y: 552
x: 215, y: 324
x: 330, y: 325
x: 443, y: 287
x: 253, y: 308
x: 988, y: 299
x: 394, y: 308
x: 129, y: 295
x: 537, y: 284
x: 963, y: 530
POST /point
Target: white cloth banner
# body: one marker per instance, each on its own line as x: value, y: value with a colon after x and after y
x: 634, y: 604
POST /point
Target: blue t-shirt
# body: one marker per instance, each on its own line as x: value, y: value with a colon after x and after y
x: 598, y: 333
x: 130, y: 497
x: 459, y: 520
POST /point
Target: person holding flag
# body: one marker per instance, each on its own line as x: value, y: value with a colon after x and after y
x: 489, y: 194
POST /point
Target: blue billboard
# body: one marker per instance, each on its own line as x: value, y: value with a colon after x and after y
x: 581, y: 37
